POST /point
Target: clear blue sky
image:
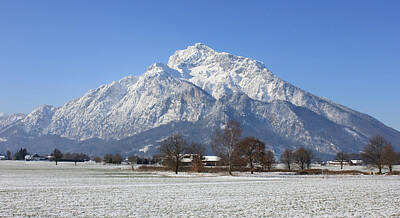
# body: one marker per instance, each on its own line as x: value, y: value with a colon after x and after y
x: 347, y: 51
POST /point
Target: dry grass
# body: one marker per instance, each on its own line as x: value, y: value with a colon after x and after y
x: 397, y: 173
x: 223, y: 169
x: 220, y: 169
x: 330, y: 172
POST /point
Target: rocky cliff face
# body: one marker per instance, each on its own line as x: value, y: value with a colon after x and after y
x: 195, y: 93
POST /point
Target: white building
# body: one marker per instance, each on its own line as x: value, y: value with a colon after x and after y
x: 356, y: 162
x: 207, y: 160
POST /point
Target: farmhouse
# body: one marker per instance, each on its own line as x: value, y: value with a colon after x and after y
x: 356, y: 162
x: 211, y: 160
x: 35, y: 157
x: 207, y: 160
x: 346, y: 163
x: 338, y: 163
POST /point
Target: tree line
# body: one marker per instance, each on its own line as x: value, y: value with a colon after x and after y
x: 235, y: 153
x: 250, y: 152
x: 57, y: 156
x: 226, y: 143
x: 379, y: 153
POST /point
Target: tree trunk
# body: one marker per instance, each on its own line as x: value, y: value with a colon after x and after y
x: 380, y: 170
x: 75, y: 163
x: 341, y: 165
x: 288, y: 166
x: 390, y: 167
x: 56, y: 162
x: 176, y: 167
x: 251, y: 166
x: 230, y: 165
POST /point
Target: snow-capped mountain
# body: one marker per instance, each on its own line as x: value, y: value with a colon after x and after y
x: 195, y: 93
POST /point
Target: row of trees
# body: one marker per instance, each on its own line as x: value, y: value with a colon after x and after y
x: 233, y: 151
x: 133, y: 159
x: 226, y: 143
x: 237, y: 152
x: 378, y: 152
x: 250, y: 151
x: 19, y: 155
x: 57, y: 156
x: 301, y: 157
x: 113, y: 159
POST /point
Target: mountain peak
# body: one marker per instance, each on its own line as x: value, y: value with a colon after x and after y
x: 200, y: 55
x: 221, y: 73
x: 201, y: 46
x: 191, y: 56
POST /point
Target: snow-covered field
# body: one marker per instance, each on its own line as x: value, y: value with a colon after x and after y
x: 43, y: 189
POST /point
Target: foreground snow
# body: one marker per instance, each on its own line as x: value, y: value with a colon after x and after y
x: 43, y: 189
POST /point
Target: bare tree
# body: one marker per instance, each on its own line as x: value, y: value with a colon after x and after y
x: 268, y: 160
x: 389, y: 156
x: 287, y: 158
x: 197, y: 163
x: 20, y: 155
x: 224, y: 142
x: 198, y: 151
x: 132, y: 160
x: 310, y: 157
x: 372, y: 153
x: 398, y: 158
x: 342, y: 157
x: 251, y: 150
x: 57, y: 155
x: 76, y: 157
x: 155, y: 159
x: 117, y: 159
x: 67, y: 156
x: 196, y: 148
x: 172, y: 149
x: 302, y: 157
x: 9, y: 155
x: 108, y: 158
x: 97, y: 159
